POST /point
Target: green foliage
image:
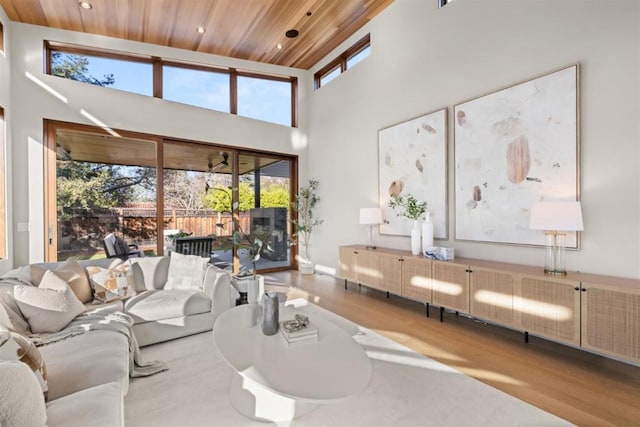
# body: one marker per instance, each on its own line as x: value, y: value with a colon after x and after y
x: 304, y: 204
x: 74, y: 67
x: 87, y: 186
x: 408, y: 207
x: 276, y: 196
x: 219, y: 198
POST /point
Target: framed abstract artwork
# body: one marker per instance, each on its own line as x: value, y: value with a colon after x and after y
x: 514, y: 147
x: 412, y: 159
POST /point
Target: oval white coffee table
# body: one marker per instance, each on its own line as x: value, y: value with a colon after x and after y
x: 276, y: 381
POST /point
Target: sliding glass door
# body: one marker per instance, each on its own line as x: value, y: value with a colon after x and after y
x: 157, y: 192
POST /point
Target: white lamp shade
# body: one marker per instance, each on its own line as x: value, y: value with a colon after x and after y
x: 370, y: 216
x: 556, y: 216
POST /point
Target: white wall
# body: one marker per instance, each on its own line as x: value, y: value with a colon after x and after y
x: 118, y: 110
x: 5, y: 102
x: 423, y: 59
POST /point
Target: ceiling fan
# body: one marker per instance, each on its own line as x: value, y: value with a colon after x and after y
x: 214, y: 168
x: 225, y: 162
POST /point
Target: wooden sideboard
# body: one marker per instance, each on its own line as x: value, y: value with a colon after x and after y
x: 597, y: 313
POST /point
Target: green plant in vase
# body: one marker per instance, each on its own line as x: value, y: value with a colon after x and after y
x: 304, y: 205
x: 408, y: 207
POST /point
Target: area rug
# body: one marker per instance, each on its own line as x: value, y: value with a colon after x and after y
x: 406, y: 389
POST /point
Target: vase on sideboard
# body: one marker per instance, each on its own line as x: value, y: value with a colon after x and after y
x: 415, y: 238
x: 427, y: 233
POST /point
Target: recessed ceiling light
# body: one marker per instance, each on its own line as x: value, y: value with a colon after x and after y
x: 292, y: 34
x: 279, y: 46
x: 85, y: 5
x: 200, y: 30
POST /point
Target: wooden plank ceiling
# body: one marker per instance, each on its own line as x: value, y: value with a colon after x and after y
x: 244, y: 29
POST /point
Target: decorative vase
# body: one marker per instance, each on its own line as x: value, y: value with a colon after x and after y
x: 270, y: 311
x: 415, y: 238
x: 252, y: 314
x: 427, y: 233
x: 306, y: 267
x: 255, y: 289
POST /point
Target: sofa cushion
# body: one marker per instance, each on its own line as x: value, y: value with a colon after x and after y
x: 15, y: 346
x: 10, y: 314
x: 186, y: 271
x: 21, y: 401
x: 166, y: 304
x: 87, y: 360
x: 50, y: 306
x: 71, y: 272
x: 150, y: 272
x: 99, y: 406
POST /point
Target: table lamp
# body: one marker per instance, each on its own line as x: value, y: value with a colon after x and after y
x: 370, y: 217
x: 555, y: 218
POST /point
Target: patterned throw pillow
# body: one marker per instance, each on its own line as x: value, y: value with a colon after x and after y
x: 110, y: 284
x: 50, y: 306
x: 71, y: 272
x: 15, y: 346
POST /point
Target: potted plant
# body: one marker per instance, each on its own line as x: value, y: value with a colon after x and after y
x: 304, y: 204
x: 411, y: 208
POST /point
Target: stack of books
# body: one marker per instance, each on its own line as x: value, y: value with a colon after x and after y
x: 293, y: 334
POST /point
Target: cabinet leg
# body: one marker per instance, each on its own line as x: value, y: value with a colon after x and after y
x: 441, y: 314
x: 457, y: 314
x: 387, y: 295
x: 426, y: 307
x: 526, y: 336
x: 345, y: 284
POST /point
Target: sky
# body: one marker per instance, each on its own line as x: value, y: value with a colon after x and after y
x: 260, y: 99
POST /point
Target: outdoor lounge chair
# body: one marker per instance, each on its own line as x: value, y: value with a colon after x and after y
x: 115, y: 247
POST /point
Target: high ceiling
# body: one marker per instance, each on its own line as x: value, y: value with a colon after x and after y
x: 244, y: 29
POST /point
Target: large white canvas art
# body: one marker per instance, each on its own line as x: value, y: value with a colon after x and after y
x: 514, y: 147
x: 413, y: 160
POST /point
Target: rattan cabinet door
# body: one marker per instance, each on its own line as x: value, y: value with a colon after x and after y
x: 492, y: 295
x: 416, y: 279
x: 368, y: 268
x: 550, y: 307
x: 390, y: 273
x: 611, y: 320
x: 450, y: 284
x: 348, y: 263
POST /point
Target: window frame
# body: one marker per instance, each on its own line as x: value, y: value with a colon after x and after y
x: 1, y: 37
x: 158, y: 63
x: 341, y: 61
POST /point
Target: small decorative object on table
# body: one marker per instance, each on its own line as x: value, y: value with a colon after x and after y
x: 439, y: 253
x: 270, y: 309
x: 298, y: 330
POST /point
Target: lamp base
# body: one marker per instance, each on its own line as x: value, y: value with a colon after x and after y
x: 554, y: 272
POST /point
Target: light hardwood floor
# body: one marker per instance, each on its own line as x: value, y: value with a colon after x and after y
x: 583, y: 388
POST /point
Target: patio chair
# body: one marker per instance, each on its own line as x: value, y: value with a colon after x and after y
x: 201, y: 246
x: 115, y: 247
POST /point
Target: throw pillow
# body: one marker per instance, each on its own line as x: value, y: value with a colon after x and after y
x: 186, y: 271
x: 10, y: 306
x: 15, y: 346
x: 72, y: 273
x: 21, y: 402
x: 49, y: 307
x: 110, y: 283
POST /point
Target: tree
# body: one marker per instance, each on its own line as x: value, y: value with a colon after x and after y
x: 86, y: 186
x: 75, y: 67
x: 219, y: 198
x: 275, y: 196
x: 183, y: 190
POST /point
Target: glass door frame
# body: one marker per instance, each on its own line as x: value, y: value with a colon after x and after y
x: 50, y: 127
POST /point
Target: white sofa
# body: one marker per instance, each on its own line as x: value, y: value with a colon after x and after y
x: 88, y: 374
